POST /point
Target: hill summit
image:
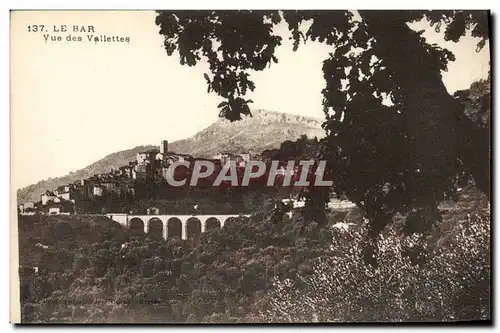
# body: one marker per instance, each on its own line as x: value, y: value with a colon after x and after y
x: 264, y: 130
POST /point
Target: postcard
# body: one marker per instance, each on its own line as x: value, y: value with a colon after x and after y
x: 247, y: 166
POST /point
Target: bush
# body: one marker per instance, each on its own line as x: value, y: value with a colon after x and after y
x: 443, y: 277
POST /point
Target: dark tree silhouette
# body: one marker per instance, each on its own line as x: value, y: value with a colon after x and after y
x: 396, y: 141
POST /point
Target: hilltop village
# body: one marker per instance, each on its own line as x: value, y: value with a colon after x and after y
x: 116, y: 190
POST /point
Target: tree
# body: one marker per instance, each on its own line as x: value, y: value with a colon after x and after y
x: 453, y: 286
x: 397, y: 141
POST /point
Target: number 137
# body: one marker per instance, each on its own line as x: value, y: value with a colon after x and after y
x: 35, y: 28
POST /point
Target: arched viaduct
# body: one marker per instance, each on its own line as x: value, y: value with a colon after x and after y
x: 182, y: 226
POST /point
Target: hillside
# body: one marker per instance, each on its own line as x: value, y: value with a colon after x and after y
x: 266, y: 129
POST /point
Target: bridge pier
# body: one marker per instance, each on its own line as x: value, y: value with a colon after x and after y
x: 184, y: 229
x: 165, y: 230
x: 145, y: 222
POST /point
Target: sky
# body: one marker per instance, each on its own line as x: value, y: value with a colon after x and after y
x: 72, y: 103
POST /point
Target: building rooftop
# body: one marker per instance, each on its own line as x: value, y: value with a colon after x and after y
x: 151, y: 151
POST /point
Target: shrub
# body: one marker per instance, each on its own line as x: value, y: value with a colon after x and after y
x: 443, y: 277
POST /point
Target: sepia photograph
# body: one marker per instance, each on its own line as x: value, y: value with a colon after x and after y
x: 250, y: 166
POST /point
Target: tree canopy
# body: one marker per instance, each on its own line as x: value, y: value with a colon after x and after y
x: 396, y: 140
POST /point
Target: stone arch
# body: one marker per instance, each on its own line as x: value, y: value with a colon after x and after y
x: 174, y: 227
x: 193, y: 228
x: 212, y: 223
x: 136, y: 225
x: 155, y: 227
x: 229, y: 220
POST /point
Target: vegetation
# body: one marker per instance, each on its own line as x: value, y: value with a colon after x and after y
x: 266, y: 268
x: 161, y: 280
x: 383, y: 86
x: 220, y: 136
x: 441, y: 277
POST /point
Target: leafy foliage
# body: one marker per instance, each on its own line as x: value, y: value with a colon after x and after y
x: 267, y: 268
x: 130, y: 277
x: 396, y: 139
x: 442, y: 278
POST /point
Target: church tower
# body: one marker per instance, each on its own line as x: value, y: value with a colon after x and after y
x: 164, y: 147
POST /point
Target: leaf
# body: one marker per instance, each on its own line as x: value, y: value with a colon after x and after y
x: 369, y: 135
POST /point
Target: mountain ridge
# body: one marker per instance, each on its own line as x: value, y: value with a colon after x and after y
x: 264, y: 130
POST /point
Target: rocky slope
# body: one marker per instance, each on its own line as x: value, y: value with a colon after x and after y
x: 265, y: 130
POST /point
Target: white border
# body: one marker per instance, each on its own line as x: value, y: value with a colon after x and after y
x: 218, y: 4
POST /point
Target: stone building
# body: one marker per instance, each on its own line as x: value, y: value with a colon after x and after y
x: 152, y: 211
x: 146, y: 156
x: 140, y: 171
x: 164, y: 147
x: 97, y: 191
x: 60, y: 206
x: 47, y: 196
x: 81, y: 182
x: 225, y: 157
x: 29, y: 205
x: 109, y: 185
x: 125, y: 171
